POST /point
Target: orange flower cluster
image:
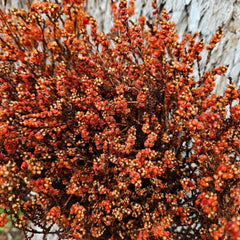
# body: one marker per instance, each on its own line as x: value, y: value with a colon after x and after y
x: 113, y: 136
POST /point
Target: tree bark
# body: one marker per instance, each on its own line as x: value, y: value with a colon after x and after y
x: 203, y: 16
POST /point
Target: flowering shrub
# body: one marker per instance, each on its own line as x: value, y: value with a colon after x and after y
x: 112, y: 136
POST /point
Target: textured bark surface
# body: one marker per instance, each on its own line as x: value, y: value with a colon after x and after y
x: 203, y: 16
x: 15, y: 3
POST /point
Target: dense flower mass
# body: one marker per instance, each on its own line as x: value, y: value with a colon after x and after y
x: 113, y: 136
